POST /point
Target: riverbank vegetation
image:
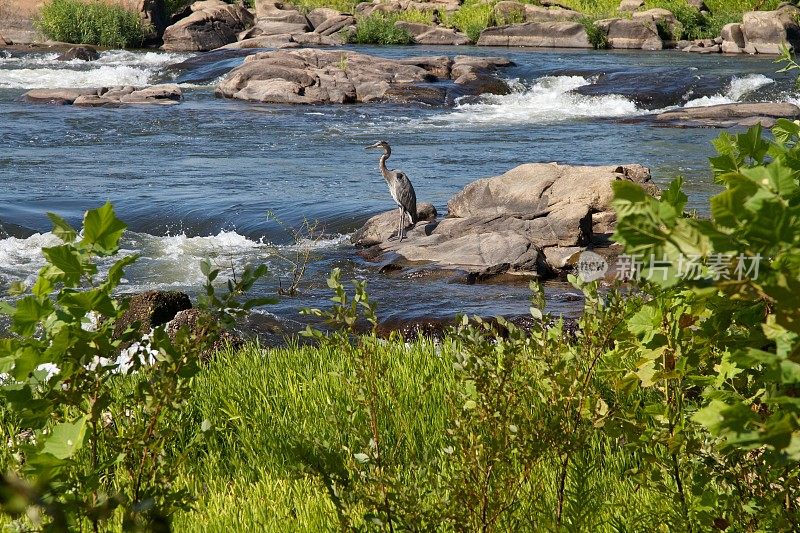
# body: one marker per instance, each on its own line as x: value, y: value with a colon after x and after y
x: 670, y: 405
x: 95, y: 22
x: 474, y: 16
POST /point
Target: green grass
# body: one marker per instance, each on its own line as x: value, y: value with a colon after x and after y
x: 345, y: 6
x: 693, y: 25
x: 262, y: 402
x: 471, y: 19
x: 94, y: 23
x: 379, y: 28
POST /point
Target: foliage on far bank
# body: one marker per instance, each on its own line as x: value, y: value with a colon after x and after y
x: 95, y: 22
x: 379, y: 28
x: 471, y: 18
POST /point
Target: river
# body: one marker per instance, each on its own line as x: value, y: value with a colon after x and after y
x: 199, y: 179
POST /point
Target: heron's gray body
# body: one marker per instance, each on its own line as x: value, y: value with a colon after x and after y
x: 400, y: 188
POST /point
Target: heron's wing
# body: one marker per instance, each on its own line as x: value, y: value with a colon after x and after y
x: 406, y: 196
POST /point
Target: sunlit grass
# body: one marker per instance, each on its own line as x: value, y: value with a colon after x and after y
x: 263, y: 402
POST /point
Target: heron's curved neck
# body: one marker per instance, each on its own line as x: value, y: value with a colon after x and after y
x: 385, y: 171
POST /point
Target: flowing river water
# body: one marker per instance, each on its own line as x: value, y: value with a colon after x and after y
x: 198, y: 180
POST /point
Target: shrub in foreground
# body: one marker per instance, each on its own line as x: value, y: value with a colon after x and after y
x: 77, y: 453
x: 95, y: 23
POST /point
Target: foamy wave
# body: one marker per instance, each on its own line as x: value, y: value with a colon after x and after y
x: 329, y: 241
x: 737, y: 89
x: 22, y: 258
x: 115, y: 67
x: 172, y: 261
x: 548, y: 99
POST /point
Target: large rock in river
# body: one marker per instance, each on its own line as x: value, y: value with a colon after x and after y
x: 562, y: 34
x: 765, y: 32
x: 212, y: 24
x: 527, y: 220
x: 728, y: 115
x: 639, y: 33
x: 312, y: 76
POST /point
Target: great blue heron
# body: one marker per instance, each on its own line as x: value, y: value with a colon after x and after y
x: 399, y: 187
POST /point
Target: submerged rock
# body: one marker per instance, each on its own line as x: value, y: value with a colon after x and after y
x: 530, y: 220
x: 212, y: 24
x: 312, y: 76
x: 84, y: 53
x: 728, y: 115
x: 166, y: 94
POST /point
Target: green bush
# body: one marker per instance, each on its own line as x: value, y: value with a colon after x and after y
x: 86, y: 438
x: 597, y: 36
x: 95, y: 23
x: 345, y: 6
x: 471, y: 19
x: 379, y: 28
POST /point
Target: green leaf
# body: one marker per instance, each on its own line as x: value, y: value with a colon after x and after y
x: 116, y: 272
x: 28, y: 313
x: 645, y: 323
x: 66, y: 264
x: 66, y: 439
x: 784, y: 130
x: 256, y: 302
x: 25, y: 361
x: 102, y: 230
x: 62, y: 229
x: 80, y: 303
x: 674, y: 196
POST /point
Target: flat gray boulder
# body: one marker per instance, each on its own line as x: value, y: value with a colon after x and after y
x: 212, y: 24
x: 313, y: 76
x: 166, y: 94
x: 728, y: 115
x: 531, y: 220
x: 563, y: 34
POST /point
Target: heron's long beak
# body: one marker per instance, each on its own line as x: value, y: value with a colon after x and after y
x: 372, y: 146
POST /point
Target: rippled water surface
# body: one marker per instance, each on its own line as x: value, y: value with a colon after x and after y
x: 198, y: 179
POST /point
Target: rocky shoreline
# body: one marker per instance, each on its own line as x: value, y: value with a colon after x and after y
x: 213, y: 24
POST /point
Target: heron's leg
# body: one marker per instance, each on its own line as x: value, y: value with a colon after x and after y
x: 400, y: 228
